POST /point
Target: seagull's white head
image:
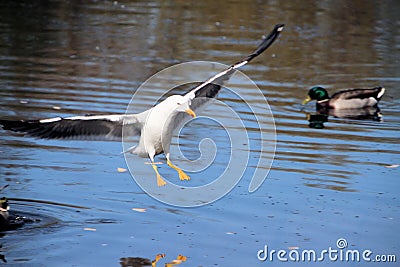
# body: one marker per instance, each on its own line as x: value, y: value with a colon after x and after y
x: 180, y: 104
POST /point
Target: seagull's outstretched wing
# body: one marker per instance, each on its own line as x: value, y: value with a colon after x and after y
x: 211, y: 87
x: 91, y: 127
x: 109, y: 127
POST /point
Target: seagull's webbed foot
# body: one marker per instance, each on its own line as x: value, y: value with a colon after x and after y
x: 182, y: 174
x: 160, y: 180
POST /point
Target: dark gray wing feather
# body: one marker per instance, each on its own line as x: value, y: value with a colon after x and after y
x: 68, y: 128
x: 210, y: 87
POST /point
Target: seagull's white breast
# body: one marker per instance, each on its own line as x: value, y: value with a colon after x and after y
x: 158, y: 128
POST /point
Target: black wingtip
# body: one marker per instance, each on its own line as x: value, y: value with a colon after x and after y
x: 18, y: 125
x: 267, y: 42
x: 274, y: 33
x: 279, y: 27
x: 9, y: 124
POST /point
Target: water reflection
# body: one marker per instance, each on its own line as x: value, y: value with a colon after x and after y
x: 369, y: 113
x: 316, y: 120
x: 138, y: 261
x: 134, y: 262
x: 331, y: 184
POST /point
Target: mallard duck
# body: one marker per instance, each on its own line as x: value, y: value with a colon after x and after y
x: 345, y: 99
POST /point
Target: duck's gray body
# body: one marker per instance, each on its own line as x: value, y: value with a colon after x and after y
x: 354, y: 98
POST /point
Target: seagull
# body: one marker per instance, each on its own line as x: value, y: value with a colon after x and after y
x: 153, y: 126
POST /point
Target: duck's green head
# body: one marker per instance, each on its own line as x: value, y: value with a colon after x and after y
x: 316, y: 93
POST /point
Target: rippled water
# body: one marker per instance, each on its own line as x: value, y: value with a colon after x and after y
x: 63, y: 59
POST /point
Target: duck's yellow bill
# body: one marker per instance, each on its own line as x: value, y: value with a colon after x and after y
x: 308, y: 99
x: 191, y: 112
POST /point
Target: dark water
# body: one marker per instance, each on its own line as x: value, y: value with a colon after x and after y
x: 68, y: 58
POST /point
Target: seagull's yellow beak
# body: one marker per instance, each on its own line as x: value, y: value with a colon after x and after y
x: 190, y: 112
x: 308, y: 99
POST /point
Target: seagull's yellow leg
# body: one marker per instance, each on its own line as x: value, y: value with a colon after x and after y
x: 182, y: 175
x: 160, y: 180
x: 158, y: 257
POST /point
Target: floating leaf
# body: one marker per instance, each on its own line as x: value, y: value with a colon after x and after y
x: 392, y: 166
x: 139, y: 209
x: 121, y: 169
x: 90, y: 229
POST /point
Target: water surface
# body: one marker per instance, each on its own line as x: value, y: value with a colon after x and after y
x: 66, y: 58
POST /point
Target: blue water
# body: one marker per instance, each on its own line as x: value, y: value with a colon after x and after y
x: 68, y: 59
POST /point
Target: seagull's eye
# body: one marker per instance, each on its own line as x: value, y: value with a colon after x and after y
x: 178, y: 104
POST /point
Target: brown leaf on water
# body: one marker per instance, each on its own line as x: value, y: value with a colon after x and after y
x: 139, y: 209
x: 392, y: 166
x: 90, y: 229
x: 231, y: 233
x: 121, y: 169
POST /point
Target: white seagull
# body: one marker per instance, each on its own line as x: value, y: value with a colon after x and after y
x: 154, y: 126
